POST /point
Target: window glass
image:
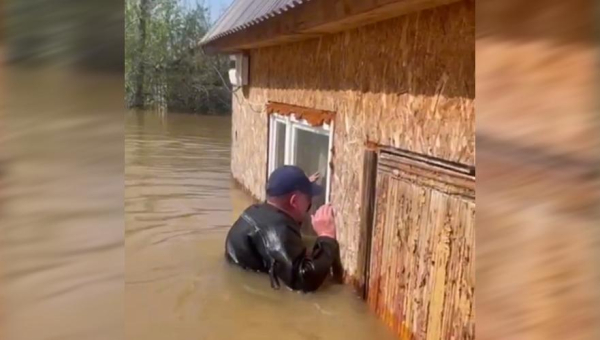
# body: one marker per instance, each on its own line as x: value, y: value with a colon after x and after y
x: 311, y: 153
x: 280, y: 135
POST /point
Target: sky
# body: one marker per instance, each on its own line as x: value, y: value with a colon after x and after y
x: 216, y: 7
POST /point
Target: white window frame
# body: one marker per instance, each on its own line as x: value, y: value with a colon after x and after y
x: 292, y: 125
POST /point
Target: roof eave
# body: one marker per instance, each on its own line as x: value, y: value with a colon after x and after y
x: 300, y: 23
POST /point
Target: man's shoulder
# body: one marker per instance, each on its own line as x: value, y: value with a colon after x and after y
x: 262, y: 211
x: 269, y: 217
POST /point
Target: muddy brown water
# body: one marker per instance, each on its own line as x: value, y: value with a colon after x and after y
x: 179, y: 203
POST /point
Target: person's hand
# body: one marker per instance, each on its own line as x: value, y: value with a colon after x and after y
x: 323, y: 222
x: 315, y: 177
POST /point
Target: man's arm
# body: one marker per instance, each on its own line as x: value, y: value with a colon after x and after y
x: 295, y: 267
x: 299, y: 270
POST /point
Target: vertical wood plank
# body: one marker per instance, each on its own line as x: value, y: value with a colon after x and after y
x: 367, y: 219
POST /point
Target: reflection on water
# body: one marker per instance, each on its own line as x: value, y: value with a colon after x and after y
x: 179, y: 204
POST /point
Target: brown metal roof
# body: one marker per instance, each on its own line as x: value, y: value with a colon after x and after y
x: 242, y: 14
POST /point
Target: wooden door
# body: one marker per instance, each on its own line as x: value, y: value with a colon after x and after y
x: 421, y: 272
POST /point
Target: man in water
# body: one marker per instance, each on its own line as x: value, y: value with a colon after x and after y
x: 266, y: 237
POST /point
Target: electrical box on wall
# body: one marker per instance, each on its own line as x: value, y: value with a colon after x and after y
x: 238, y: 71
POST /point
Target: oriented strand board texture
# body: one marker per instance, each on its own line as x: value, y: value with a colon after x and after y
x: 406, y: 82
x: 249, y: 145
x: 422, y: 278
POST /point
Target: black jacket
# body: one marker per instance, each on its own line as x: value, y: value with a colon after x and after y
x: 266, y: 239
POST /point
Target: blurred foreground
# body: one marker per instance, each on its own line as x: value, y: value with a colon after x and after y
x: 537, y: 170
x: 61, y: 170
x: 61, y: 206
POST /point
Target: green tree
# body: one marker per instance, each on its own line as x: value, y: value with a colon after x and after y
x: 164, y: 67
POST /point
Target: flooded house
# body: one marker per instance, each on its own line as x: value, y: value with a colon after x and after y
x: 378, y: 97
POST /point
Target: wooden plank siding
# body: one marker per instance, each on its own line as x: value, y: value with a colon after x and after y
x: 421, y: 278
x: 367, y: 208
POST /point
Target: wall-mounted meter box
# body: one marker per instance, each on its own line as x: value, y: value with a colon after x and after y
x: 238, y: 69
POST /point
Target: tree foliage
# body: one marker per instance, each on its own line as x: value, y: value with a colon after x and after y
x: 164, y: 67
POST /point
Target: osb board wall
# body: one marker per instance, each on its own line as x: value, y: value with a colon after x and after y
x: 407, y: 82
x: 249, y: 145
x: 422, y: 278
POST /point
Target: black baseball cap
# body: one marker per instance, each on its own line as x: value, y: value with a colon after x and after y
x: 289, y: 178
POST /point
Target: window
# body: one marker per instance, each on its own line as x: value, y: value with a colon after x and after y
x: 295, y: 142
x: 280, y: 135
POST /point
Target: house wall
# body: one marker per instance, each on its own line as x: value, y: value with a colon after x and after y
x: 407, y: 82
